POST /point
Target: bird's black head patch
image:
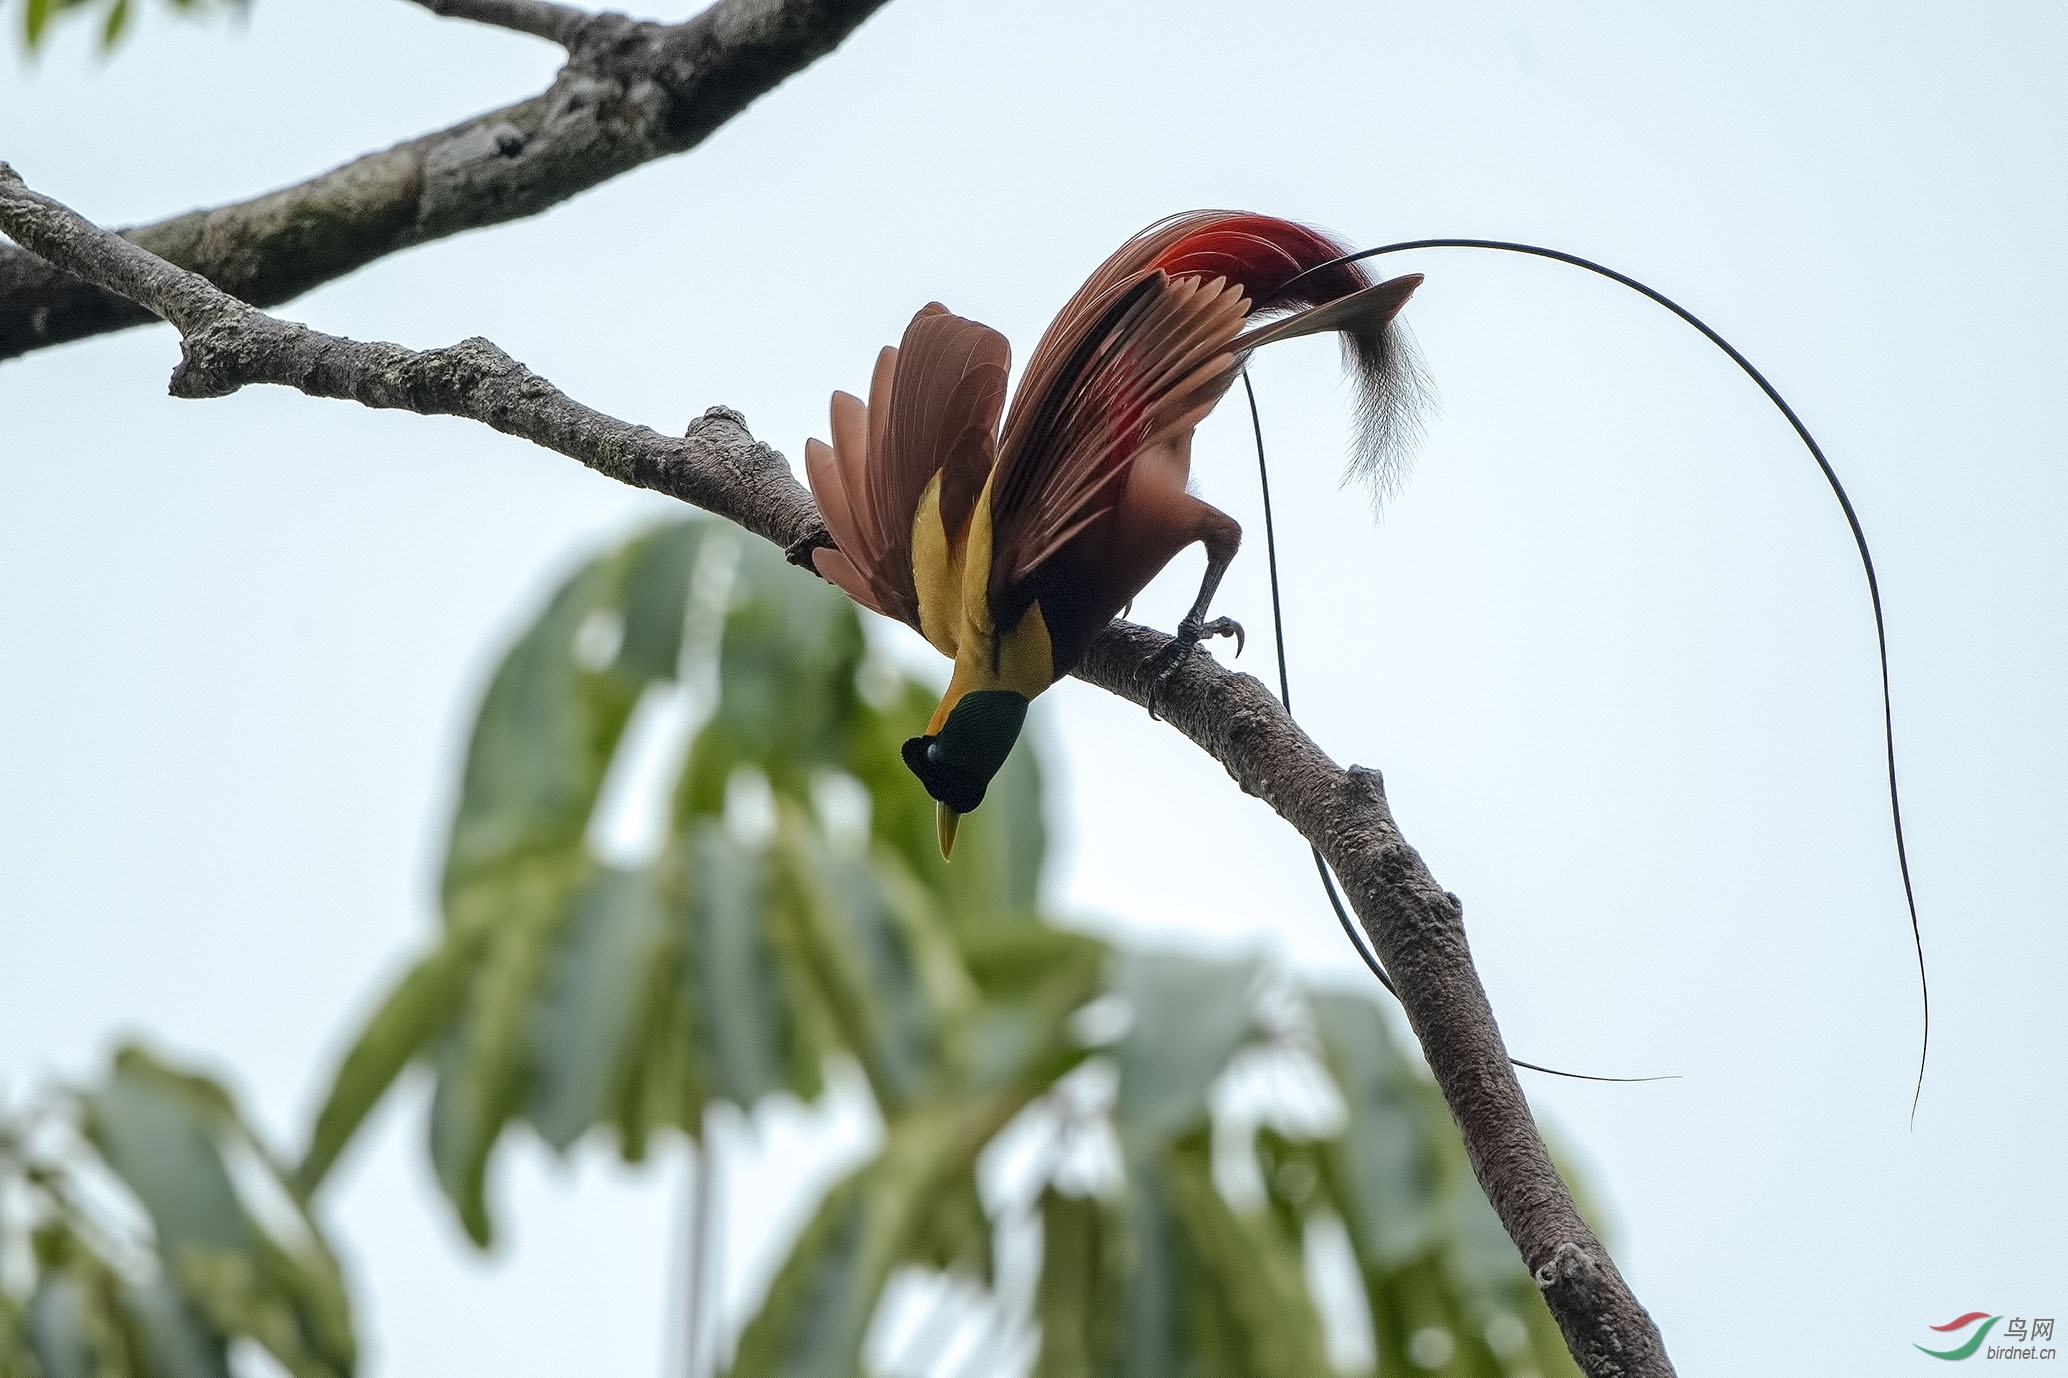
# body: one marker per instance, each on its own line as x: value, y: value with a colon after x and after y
x: 956, y: 764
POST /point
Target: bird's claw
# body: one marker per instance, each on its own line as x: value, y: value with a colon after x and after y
x: 1171, y: 658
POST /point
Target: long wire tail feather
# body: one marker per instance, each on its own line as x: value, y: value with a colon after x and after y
x: 1845, y: 503
x: 1328, y: 883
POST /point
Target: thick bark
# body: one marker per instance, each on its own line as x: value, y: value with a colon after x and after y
x: 631, y: 92
x: 1415, y: 926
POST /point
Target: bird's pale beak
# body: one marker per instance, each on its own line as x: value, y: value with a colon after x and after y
x: 945, y: 820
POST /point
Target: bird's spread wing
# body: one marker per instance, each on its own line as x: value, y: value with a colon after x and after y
x: 1119, y: 371
x: 944, y: 410
x: 933, y: 410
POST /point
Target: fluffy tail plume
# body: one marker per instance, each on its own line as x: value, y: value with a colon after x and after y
x: 1288, y: 268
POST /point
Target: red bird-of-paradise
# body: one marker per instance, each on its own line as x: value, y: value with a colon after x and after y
x: 1010, y: 549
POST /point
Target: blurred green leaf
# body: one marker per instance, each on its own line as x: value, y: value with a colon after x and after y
x: 16, y: 1358
x: 836, y: 935
x: 414, y: 1013
x: 177, y: 1342
x: 595, y: 1002
x: 552, y: 969
x: 1389, y: 1147
x: 1083, y: 1269
x: 1155, y: 1338
x: 1023, y: 961
x: 954, y: 1233
x: 557, y: 705
x: 59, y: 1328
x: 115, y: 21
x: 735, y: 985
x: 160, y: 1134
x: 1031, y: 979
x: 786, y: 682
x: 819, y: 1306
x: 34, y: 18
x: 1189, y: 1017
x: 545, y: 734
x: 893, y: 977
x: 654, y: 598
x: 1435, y: 1259
x: 1244, y: 1288
x: 901, y: 815
x: 486, y: 1059
x: 655, y: 1083
x: 230, y: 1252
x: 1294, y: 1173
x: 664, y: 1082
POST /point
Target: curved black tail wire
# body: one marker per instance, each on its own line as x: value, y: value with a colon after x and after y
x: 1852, y: 521
x: 1328, y: 882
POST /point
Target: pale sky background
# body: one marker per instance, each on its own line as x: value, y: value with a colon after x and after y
x: 1610, y: 646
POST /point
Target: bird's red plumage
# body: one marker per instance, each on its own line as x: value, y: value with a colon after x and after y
x: 1263, y: 254
x: 1141, y: 352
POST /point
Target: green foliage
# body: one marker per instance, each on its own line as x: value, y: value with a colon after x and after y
x: 157, y: 1230
x: 115, y: 16
x: 1164, y: 1272
x: 774, y: 928
x: 818, y: 1309
x: 1188, y: 1019
x: 1168, y: 1279
x: 571, y: 994
x: 1084, y: 1266
x: 1433, y: 1257
x: 791, y: 907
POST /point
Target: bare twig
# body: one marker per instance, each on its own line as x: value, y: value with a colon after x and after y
x: 630, y: 92
x: 560, y: 23
x: 1416, y: 927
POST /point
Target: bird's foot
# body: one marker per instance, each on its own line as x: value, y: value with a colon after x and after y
x: 1172, y: 657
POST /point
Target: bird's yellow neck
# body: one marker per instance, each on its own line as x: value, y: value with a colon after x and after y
x: 952, y: 572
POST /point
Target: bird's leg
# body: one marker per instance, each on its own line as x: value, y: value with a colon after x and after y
x: 1222, y: 537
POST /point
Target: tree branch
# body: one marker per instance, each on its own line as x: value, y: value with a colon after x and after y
x: 542, y: 18
x: 630, y: 92
x: 1415, y: 926
x: 1417, y: 929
